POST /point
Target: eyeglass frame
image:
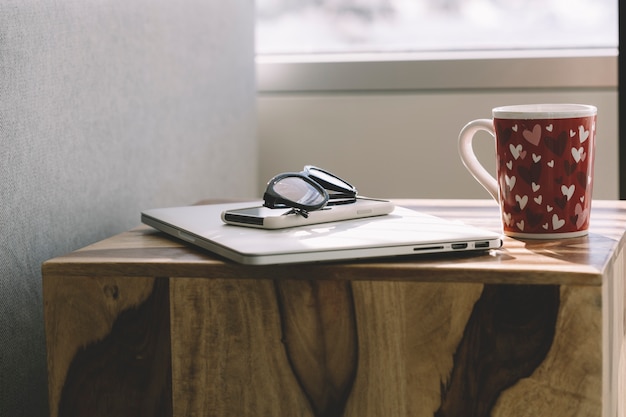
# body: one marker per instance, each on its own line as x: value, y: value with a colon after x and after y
x: 340, y: 195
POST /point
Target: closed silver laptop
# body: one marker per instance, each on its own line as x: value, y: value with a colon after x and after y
x: 403, y: 232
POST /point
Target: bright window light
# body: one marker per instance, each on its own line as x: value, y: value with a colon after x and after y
x: 370, y: 26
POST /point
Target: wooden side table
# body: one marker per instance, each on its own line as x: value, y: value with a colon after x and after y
x: 142, y: 325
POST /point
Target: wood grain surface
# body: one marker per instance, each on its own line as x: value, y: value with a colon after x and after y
x: 141, y: 325
x: 319, y: 333
x: 569, y: 380
x: 109, y: 337
x: 577, y: 261
x: 228, y: 355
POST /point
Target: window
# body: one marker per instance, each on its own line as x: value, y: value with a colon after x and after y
x: 410, y: 45
x: 374, y: 26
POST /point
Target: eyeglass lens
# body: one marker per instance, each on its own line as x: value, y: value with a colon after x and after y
x: 329, y: 180
x: 301, y: 192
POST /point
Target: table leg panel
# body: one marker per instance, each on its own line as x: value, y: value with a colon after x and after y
x: 456, y: 349
x: 228, y: 357
x: 323, y: 348
x: 618, y: 311
x: 408, y: 335
x: 108, y: 346
x: 569, y: 381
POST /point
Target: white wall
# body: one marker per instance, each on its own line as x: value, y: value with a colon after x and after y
x: 391, y: 128
x: 107, y: 108
x: 404, y: 145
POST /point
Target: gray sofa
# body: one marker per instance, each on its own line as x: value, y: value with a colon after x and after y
x: 108, y: 107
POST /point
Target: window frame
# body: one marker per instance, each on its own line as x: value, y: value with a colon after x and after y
x: 622, y: 103
x: 471, y: 70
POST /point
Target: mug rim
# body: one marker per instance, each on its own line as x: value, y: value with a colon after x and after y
x: 544, y: 111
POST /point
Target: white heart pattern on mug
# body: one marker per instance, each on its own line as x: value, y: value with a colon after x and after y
x: 516, y: 151
x: 578, y: 154
x: 556, y: 222
x: 568, y: 191
x: 510, y: 181
x: 522, y: 201
x: 583, y: 134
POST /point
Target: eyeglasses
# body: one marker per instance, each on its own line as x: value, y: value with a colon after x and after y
x: 309, y: 190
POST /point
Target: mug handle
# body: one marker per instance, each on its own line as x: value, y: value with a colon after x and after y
x: 469, y: 158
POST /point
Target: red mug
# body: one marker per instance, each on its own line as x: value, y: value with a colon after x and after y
x: 544, y: 167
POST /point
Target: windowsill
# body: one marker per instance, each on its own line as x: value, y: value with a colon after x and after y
x: 462, y: 70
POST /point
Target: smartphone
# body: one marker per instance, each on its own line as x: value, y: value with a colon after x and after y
x: 272, y: 218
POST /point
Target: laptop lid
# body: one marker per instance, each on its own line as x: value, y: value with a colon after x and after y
x: 400, y: 233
